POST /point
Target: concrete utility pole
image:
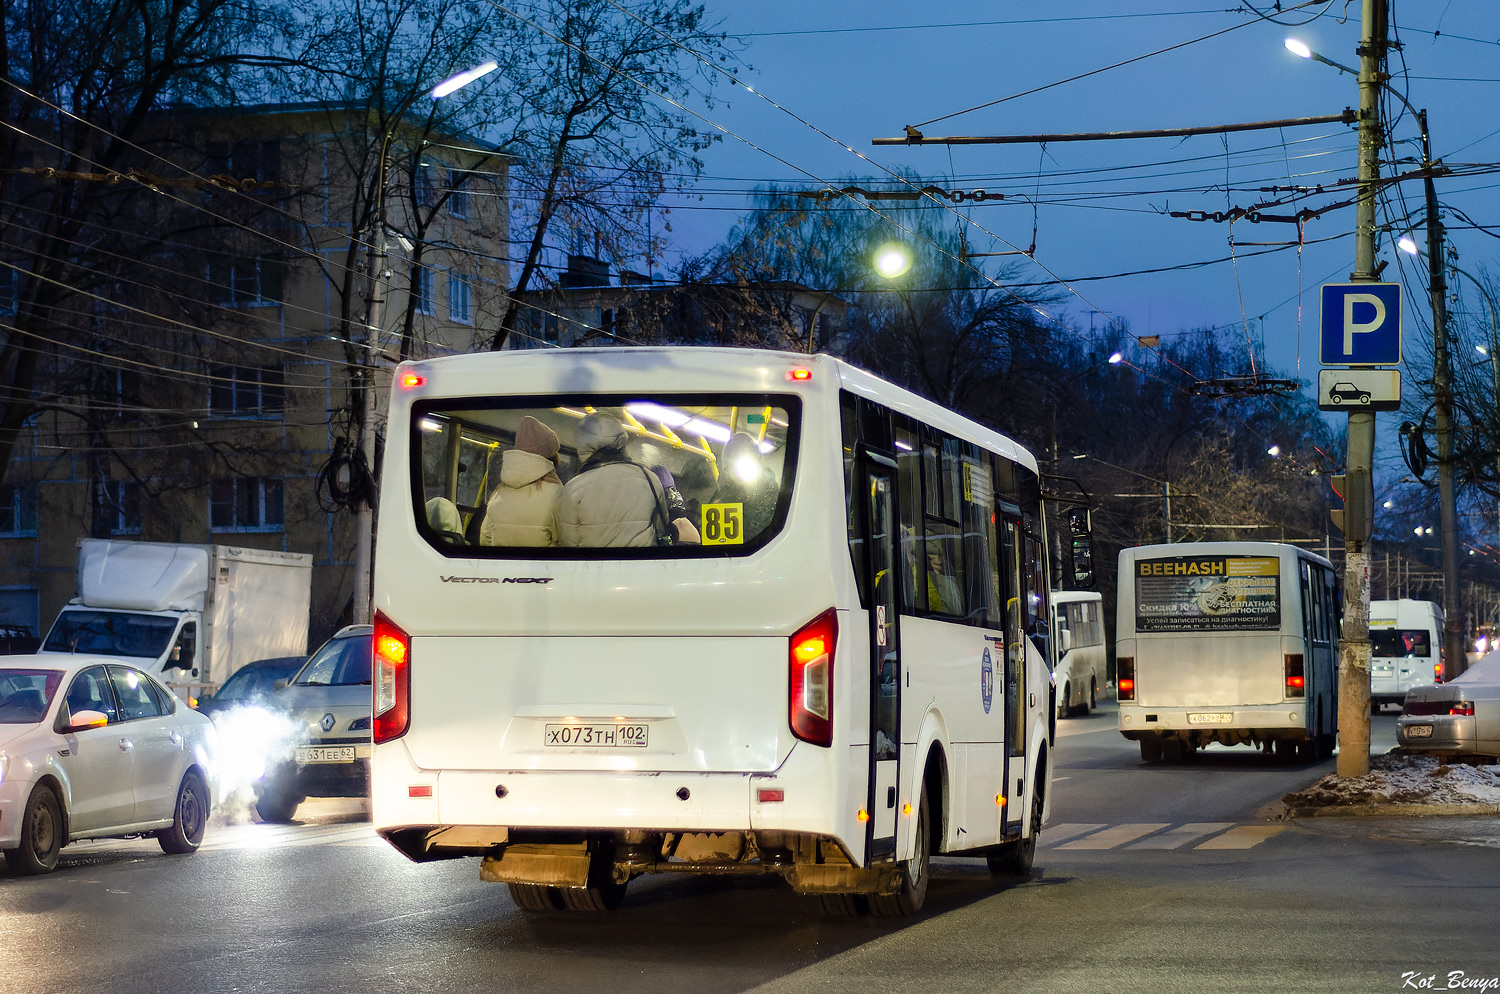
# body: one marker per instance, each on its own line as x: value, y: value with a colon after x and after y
x: 375, y: 288
x: 1354, y: 644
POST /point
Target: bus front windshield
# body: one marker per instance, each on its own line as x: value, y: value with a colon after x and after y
x: 643, y: 475
x: 111, y: 633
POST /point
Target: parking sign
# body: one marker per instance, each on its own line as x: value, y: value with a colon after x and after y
x: 1360, y: 324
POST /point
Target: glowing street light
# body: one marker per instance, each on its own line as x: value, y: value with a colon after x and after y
x: 892, y: 260
x: 1116, y: 358
x: 463, y: 79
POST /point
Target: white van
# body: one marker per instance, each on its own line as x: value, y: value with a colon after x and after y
x: 1405, y: 641
x: 1078, y: 620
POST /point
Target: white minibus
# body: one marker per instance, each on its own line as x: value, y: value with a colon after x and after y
x: 1229, y: 642
x: 1078, y: 627
x: 752, y: 613
x: 1406, y: 637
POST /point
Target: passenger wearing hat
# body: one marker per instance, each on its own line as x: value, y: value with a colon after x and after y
x: 612, y: 502
x: 522, y: 510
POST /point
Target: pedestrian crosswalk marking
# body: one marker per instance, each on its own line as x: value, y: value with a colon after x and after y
x: 1243, y: 837
x: 1075, y: 836
x: 1182, y: 835
x: 1053, y: 834
x: 1113, y: 836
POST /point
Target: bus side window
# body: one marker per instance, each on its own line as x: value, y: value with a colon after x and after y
x: 909, y: 506
x: 850, y: 426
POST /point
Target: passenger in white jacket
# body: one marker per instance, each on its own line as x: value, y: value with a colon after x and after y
x: 612, y: 502
x: 522, y: 510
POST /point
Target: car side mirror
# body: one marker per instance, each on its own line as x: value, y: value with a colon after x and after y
x: 281, y: 684
x: 86, y: 719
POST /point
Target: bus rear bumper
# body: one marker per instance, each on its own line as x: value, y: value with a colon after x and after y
x: 547, y: 827
x: 1202, y: 725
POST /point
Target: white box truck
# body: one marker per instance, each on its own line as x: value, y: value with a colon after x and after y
x: 1406, y: 639
x: 194, y: 613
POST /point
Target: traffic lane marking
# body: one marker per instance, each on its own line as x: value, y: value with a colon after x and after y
x: 1182, y: 835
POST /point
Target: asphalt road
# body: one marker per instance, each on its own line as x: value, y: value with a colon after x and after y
x: 1148, y: 879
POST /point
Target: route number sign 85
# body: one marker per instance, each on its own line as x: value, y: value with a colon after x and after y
x: 723, y: 524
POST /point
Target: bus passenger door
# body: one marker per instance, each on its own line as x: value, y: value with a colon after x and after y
x: 1014, y: 577
x: 881, y: 532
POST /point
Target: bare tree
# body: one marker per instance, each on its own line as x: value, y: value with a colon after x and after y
x: 79, y: 87
x: 596, y: 141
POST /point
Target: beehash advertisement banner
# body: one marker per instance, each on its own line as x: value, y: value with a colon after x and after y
x: 1208, y: 594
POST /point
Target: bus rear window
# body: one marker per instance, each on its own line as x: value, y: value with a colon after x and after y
x: 642, y: 475
x: 1389, y: 643
x: 1208, y: 594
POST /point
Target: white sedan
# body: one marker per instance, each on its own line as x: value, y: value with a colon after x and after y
x: 91, y: 746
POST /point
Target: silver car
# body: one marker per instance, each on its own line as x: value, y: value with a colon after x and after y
x: 1460, y: 718
x: 92, y: 747
x: 329, y: 702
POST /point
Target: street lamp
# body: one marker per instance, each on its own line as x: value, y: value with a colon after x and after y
x: 892, y: 260
x: 375, y: 274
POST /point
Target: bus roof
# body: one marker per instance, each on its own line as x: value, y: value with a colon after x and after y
x: 522, y: 372
x: 1221, y: 549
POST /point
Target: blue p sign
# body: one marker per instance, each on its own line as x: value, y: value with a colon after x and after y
x: 1361, y: 324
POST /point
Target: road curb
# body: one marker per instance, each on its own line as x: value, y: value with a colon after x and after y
x: 1391, y: 810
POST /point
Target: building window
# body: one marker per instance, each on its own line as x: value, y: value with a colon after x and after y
x: 245, y: 281
x: 246, y: 504
x: 120, y: 506
x: 458, y: 193
x: 422, y: 187
x: 10, y: 289
x: 460, y: 303
x: 17, y: 510
x: 421, y: 288
x: 246, y: 390
x: 119, y: 394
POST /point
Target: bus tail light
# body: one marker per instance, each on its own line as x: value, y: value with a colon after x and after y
x: 1437, y: 672
x: 1125, y: 678
x: 1296, y: 683
x: 392, y: 691
x: 811, y: 662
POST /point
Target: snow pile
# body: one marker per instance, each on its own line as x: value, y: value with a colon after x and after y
x: 1403, y: 779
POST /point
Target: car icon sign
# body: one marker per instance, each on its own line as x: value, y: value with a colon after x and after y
x: 1348, y: 393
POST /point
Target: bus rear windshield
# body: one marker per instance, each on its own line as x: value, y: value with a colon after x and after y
x: 639, y: 476
x: 1208, y: 594
x: 1391, y: 642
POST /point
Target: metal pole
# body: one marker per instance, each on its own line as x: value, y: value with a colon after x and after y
x: 1354, y: 644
